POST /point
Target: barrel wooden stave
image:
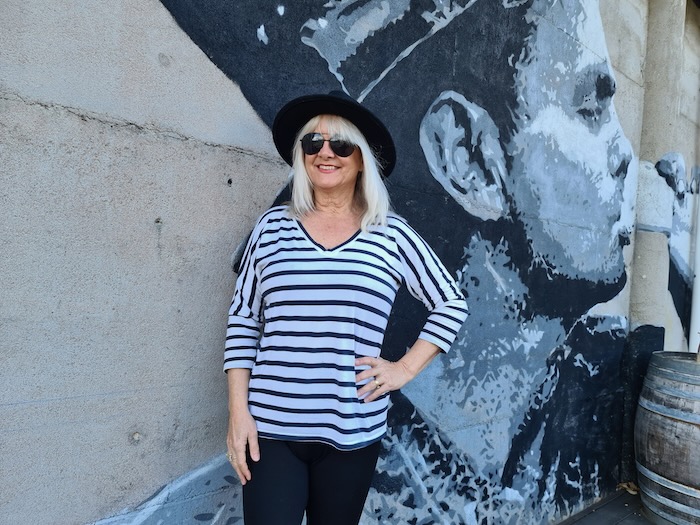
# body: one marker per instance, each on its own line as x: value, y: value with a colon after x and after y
x: 667, y: 438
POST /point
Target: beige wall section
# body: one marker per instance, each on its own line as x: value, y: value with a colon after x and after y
x: 671, y: 82
x: 131, y: 168
x: 663, y: 70
x: 625, y: 24
x: 127, y: 59
x: 690, y: 89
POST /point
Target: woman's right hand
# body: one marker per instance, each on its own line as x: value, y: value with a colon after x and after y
x: 242, y: 430
x: 242, y: 434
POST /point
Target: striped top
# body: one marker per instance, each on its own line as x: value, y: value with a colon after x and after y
x: 302, y: 313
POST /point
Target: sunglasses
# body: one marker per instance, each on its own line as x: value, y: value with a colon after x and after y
x: 312, y: 143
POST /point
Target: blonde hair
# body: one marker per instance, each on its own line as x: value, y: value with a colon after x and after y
x: 370, y: 192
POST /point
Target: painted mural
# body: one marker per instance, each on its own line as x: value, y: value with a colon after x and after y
x: 672, y: 168
x: 513, y: 165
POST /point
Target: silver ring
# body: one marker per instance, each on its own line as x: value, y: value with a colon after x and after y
x: 230, y: 457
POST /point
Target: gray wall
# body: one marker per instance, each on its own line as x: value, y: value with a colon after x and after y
x: 131, y: 168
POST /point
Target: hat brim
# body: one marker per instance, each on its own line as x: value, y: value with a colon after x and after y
x: 296, y: 113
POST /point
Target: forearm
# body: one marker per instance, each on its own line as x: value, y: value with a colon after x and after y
x: 418, y: 357
x: 238, y: 380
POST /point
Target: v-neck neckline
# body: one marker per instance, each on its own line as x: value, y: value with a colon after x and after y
x: 320, y: 246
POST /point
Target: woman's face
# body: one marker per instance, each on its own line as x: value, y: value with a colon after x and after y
x: 330, y: 173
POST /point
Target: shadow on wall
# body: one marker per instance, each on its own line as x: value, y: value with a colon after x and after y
x: 513, y: 165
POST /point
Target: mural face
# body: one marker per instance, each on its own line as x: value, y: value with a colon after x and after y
x: 569, y: 144
x: 513, y: 165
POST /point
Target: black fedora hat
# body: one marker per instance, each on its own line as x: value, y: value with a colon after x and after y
x: 295, y: 113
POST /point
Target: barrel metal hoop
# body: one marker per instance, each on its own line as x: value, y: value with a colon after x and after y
x: 670, y: 484
x: 653, y: 502
x: 665, y: 411
x: 675, y: 375
x: 674, y: 392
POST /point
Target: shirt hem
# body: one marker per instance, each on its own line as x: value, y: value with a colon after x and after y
x: 334, y: 444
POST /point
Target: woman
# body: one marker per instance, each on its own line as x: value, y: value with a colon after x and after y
x: 307, y: 388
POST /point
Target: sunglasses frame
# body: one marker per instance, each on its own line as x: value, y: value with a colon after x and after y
x: 312, y: 143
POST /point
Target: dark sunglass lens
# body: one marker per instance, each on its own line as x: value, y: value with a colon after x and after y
x: 311, y: 143
x: 342, y: 148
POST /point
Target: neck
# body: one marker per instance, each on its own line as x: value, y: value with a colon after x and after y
x: 335, y: 204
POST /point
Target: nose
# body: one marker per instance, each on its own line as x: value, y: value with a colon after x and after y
x: 604, y: 87
x: 326, y: 150
x: 594, y: 93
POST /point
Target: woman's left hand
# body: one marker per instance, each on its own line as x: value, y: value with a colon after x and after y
x: 384, y: 377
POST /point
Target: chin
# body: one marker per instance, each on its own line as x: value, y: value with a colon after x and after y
x: 554, y: 294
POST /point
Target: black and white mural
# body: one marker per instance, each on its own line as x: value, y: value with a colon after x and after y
x: 514, y: 166
x: 683, y: 194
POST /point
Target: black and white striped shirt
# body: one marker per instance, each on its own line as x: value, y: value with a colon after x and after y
x: 302, y: 313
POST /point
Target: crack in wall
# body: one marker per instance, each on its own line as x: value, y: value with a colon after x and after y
x: 101, y: 118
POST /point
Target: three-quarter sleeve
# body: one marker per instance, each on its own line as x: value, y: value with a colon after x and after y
x: 244, y: 316
x: 428, y: 280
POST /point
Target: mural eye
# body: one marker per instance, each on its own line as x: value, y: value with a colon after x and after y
x: 594, y: 95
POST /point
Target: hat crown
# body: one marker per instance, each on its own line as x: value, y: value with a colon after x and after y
x: 341, y: 94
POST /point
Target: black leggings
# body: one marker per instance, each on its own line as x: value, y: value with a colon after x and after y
x: 290, y: 478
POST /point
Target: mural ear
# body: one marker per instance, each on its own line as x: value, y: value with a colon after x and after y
x: 461, y: 144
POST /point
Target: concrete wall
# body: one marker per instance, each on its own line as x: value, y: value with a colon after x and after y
x: 667, y: 206
x: 132, y: 166
x: 625, y: 25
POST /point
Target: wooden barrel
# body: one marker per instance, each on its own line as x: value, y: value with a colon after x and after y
x: 667, y: 439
